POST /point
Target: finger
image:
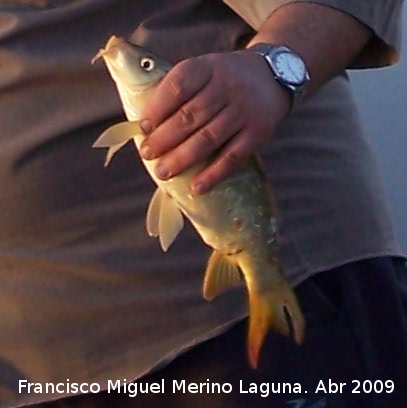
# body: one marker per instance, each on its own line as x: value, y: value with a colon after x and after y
x: 229, y: 159
x: 202, y: 144
x: 181, y: 83
x: 194, y: 114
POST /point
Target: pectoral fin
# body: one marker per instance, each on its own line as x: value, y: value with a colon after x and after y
x: 116, y: 136
x: 220, y: 275
x: 153, y: 214
x: 111, y: 152
x: 164, y: 219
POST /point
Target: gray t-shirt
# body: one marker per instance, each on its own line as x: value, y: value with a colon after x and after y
x: 85, y: 294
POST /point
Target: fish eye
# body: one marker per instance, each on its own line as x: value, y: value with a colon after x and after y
x: 147, y: 63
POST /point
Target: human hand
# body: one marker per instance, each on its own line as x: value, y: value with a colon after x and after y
x: 220, y: 106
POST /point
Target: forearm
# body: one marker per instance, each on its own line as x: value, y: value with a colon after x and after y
x: 328, y: 39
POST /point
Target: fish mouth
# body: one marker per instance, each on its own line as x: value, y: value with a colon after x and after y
x: 109, y: 53
x: 114, y: 43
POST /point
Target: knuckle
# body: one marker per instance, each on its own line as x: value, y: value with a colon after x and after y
x: 207, y: 138
x: 176, y: 83
x: 232, y: 159
x: 187, y: 117
x: 225, y: 164
x: 177, y: 77
x: 187, y: 77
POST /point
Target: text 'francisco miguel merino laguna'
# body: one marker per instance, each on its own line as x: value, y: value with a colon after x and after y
x: 177, y: 386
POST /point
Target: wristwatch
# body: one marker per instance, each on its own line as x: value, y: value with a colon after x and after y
x: 288, y: 68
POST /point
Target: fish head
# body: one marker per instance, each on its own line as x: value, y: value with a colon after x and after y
x: 135, y: 70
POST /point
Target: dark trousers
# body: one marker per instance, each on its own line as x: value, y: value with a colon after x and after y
x: 356, y: 336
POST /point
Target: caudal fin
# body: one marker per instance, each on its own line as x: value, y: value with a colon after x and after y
x: 276, y: 309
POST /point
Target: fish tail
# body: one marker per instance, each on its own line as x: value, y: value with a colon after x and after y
x: 275, y: 308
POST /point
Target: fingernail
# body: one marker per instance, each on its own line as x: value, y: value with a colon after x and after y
x: 198, y: 188
x: 162, y: 171
x: 146, y: 126
x: 146, y: 153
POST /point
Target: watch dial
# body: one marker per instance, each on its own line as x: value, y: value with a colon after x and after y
x: 290, y: 67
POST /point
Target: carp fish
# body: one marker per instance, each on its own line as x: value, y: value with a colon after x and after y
x: 237, y: 218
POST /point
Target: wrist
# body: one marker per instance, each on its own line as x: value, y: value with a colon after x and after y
x: 276, y: 98
x: 287, y: 68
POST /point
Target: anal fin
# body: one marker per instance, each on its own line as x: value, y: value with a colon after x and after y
x: 220, y: 275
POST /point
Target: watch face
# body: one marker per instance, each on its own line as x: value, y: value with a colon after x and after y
x: 289, y: 67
